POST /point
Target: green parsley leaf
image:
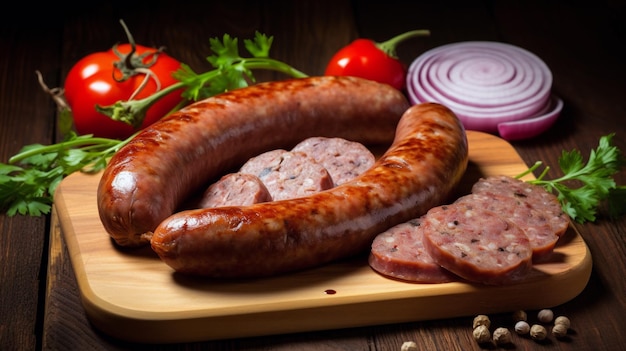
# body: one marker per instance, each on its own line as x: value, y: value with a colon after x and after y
x: 584, y: 186
x: 28, y: 182
x: 260, y: 46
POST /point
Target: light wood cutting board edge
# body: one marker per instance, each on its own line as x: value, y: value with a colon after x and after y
x: 134, y: 296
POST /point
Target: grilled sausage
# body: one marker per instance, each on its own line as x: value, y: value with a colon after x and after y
x: 148, y: 179
x: 420, y: 169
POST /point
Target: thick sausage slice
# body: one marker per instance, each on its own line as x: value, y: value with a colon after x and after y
x: 235, y: 189
x: 477, y: 244
x: 344, y: 159
x: 539, y: 230
x: 525, y: 194
x: 399, y: 253
x: 149, y: 178
x: 288, y: 174
x: 419, y: 171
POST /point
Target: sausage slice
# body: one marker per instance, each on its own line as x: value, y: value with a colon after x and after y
x: 344, y: 159
x: 399, y: 253
x: 235, y: 189
x: 477, y: 244
x: 287, y: 174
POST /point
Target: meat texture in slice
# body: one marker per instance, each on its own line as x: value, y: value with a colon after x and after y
x: 235, y: 189
x: 288, y: 174
x: 399, y: 253
x: 344, y: 159
x: 477, y: 244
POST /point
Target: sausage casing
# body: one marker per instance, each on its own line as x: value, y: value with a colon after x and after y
x: 148, y: 179
x: 420, y: 169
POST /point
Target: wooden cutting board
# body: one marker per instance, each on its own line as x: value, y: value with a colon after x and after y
x: 132, y: 295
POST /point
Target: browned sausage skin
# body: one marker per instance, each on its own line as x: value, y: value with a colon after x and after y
x: 419, y: 171
x: 147, y: 179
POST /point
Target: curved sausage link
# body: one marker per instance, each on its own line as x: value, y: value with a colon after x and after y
x: 419, y: 171
x: 148, y: 179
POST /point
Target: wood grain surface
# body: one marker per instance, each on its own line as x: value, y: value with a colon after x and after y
x: 132, y: 295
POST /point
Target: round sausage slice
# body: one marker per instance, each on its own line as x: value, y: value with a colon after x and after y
x: 399, y: 253
x: 343, y: 159
x: 288, y: 174
x: 530, y: 195
x: 535, y: 224
x: 235, y: 189
x: 477, y: 244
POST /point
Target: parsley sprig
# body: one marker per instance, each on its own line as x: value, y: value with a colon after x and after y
x: 28, y: 181
x: 584, y: 186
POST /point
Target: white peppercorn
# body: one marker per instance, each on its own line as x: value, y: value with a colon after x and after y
x: 538, y: 332
x: 409, y: 346
x: 545, y: 316
x: 562, y: 320
x: 502, y: 336
x: 559, y: 330
x: 522, y: 327
x: 519, y: 316
x: 481, y: 319
x: 481, y: 334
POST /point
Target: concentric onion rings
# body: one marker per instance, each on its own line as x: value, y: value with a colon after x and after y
x: 487, y: 84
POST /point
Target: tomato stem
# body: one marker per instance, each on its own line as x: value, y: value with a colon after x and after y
x: 131, y: 64
x: 389, y: 46
x: 133, y: 112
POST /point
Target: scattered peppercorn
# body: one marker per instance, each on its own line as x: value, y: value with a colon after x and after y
x: 559, y: 330
x: 502, y: 336
x: 545, y: 316
x: 519, y: 316
x: 562, y: 320
x: 409, y: 346
x: 481, y: 334
x: 538, y: 332
x: 522, y: 327
x: 481, y: 319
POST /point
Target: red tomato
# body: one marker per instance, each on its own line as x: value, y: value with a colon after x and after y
x: 90, y: 82
x: 363, y: 58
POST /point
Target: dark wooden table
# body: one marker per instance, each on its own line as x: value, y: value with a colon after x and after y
x: 581, y: 41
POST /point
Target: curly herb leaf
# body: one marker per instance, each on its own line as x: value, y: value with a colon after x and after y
x: 594, y: 179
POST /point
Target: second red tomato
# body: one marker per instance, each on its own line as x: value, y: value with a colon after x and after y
x: 363, y: 59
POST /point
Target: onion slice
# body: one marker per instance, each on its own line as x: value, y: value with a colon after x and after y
x: 488, y: 85
x: 531, y: 127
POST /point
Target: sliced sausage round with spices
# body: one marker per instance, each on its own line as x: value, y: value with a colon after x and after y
x: 535, y: 225
x: 288, y: 174
x: 149, y: 178
x: 399, y: 253
x: 530, y: 195
x: 344, y: 159
x: 420, y: 169
x: 235, y: 189
x: 477, y: 244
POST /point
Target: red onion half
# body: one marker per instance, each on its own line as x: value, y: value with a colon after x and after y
x: 492, y: 87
